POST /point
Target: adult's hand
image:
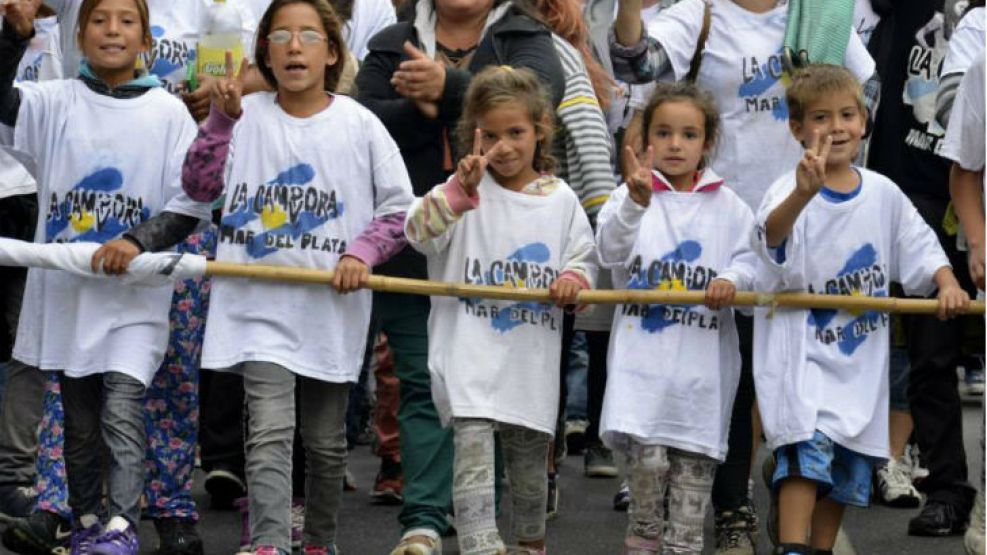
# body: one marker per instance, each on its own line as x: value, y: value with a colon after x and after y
x: 420, y: 78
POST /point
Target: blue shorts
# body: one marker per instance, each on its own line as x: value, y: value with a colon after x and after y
x: 842, y: 475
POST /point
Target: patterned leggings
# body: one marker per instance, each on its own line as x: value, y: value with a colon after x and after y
x: 688, y: 479
x: 525, y: 453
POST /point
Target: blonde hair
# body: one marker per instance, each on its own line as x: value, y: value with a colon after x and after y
x: 815, y: 81
x: 498, y: 85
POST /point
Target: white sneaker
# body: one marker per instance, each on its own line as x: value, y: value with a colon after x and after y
x: 973, y: 540
x: 894, y: 485
x: 918, y: 471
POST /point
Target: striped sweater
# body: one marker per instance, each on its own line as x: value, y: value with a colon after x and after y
x: 582, y: 143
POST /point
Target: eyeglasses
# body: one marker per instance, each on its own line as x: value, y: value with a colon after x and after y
x: 284, y: 36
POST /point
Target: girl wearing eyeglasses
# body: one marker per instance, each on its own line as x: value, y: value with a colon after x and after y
x: 311, y: 180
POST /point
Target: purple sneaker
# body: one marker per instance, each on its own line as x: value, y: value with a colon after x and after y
x: 82, y: 539
x: 297, y: 522
x: 118, y: 539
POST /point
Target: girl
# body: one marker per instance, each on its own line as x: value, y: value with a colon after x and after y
x: 514, y: 387
x: 673, y: 226
x: 740, y: 63
x: 106, y: 339
x: 313, y: 179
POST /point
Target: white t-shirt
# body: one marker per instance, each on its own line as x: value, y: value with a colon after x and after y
x: 500, y: 359
x: 964, y: 142
x: 742, y: 68
x: 672, y: 371
x: 298, y: 191
x: 175, y: 29
x: 839, y: 385
x: 966, y: 42
x: 41, y: 62
x: 96, y: 182
x: 865, y: 19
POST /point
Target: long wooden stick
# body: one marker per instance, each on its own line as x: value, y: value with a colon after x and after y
x: 596, y: 296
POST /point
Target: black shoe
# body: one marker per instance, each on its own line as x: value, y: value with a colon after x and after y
x: 224, y: 487
x: 939, y: 519
x: 16, y: 502
x: 177, y: 536
x: 40, y: 533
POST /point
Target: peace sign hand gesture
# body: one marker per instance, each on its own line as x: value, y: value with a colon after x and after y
x: 227, y: 92
x: 810, y: 175
x: 639, y: 175
x: 472, y: 167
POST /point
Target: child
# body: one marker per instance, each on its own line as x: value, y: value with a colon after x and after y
x: 314, y: 179
x: 822, y: 376
x: 106, y: 339
x: 530, y: 232
x: 673, y: 226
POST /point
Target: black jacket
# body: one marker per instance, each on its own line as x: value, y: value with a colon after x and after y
x: 515, y: 40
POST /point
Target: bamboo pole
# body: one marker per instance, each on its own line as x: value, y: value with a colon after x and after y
x: 595, y: 296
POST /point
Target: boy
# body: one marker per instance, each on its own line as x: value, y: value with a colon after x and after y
x: 822, y: 376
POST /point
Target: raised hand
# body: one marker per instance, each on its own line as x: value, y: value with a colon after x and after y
x: 228, y: 91
x: 639, y: 175
x: 20, y: 15
x: 810, y: 175
x: 199, y: 100
x: 472, y: 166
x: 421, y: 78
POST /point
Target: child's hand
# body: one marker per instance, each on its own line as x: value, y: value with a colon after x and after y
x: 639, y: 176
x: 810, y: 175
x: 564, y: 291
x: 472, y: 167
x: 350, y: 274
x: 227, y: 92
x: 953, y: 300
x: 114, y: 256
x: 20, y: 14
x: 720, y: 294
x: 199, y: 100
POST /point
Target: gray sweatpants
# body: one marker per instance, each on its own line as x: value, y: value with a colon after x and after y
x: 525, y: 454
x: 688, y: 479
x: 270, y: 397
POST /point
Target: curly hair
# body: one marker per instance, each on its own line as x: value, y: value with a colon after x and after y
x: 330, y: 22
x: 499, y: 85
x: 688, y: 92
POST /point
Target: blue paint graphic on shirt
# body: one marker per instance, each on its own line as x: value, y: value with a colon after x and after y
x: 275, y: 217
x: 656, y: 321
x: 863, y: 259
x: 510, y: 317
x: 760, y: 84
x: 94, y: 210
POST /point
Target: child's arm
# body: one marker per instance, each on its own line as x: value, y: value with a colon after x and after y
x: 618, y: 222
x: 967, y: 192
x: 433, y: 217
x: 953, y: 300
x: 579, y: 261
x: 18, y: 28
x: 637, y: 58
x: 810, y: 176
x: 740, y: 272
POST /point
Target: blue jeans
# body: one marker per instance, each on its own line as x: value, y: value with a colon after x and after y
x: 104, y: 409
